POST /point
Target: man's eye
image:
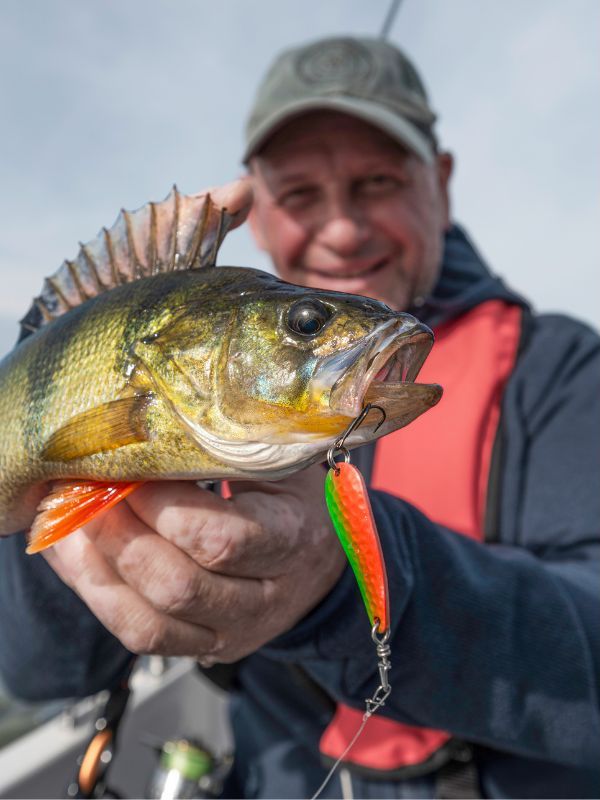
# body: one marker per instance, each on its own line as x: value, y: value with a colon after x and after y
x: 307, y: 317
x: 298, y: 197
x: 379, y: 183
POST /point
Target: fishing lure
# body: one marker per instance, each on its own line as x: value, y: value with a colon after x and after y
x: 350, y: 511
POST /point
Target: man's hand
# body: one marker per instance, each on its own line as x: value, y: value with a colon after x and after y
x: 177, y: 570
x: 236, y: 197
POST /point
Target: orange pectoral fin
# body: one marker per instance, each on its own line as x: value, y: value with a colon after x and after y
x: 70, y: 505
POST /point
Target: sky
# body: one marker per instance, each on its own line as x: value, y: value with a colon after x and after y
x: 105, y: 104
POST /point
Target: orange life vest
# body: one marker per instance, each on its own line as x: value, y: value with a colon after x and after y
x: 441, y: 465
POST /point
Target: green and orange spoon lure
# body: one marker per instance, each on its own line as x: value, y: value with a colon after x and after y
x: 350, y: 511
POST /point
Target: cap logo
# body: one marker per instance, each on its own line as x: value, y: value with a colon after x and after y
x: 335, y: 64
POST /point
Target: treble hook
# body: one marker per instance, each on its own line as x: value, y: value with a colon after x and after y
x: 338, y: 445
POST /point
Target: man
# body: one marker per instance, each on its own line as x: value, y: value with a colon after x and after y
x: 487, y: 507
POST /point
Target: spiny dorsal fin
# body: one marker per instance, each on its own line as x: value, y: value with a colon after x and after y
x: 181, y: 232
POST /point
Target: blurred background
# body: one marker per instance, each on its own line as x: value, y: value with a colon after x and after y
x: 106, y: 104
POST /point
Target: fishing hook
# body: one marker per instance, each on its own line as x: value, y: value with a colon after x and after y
x: 338, y: 445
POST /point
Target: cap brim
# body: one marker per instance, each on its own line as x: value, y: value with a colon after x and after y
x: 395, y: 126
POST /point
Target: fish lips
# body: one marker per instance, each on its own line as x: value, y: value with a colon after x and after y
x: 381, y: 370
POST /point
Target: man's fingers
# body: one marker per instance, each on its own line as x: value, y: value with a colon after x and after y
x: 236, y: 197
x: 140, y: 627
x: 178, y: 570
x: 293, y: 510
x: 181, y: 512
x: 220, y: 535
x: 171, y: 581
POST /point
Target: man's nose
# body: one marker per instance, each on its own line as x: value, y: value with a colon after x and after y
x: 344, y: 230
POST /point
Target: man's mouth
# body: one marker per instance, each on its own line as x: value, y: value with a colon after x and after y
x: 352, y: 273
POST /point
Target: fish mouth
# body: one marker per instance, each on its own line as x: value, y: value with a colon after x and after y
x: 384, y: 374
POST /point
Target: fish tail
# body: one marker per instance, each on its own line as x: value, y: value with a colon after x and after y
x: 70, y: 505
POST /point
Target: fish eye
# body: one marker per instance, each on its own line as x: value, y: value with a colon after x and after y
x: 307, y: 317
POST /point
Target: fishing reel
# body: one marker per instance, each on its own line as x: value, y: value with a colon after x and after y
x: 187, y: 769
x: 92, y: 765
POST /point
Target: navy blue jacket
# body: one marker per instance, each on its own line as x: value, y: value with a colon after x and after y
x: 506, y: 656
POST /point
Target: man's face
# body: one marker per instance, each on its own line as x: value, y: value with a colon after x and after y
x: 340, y: 206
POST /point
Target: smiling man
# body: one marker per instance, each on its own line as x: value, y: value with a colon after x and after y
x: 340, y: 205
x: 488, y: 507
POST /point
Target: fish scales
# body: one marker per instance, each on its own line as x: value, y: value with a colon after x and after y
x: 79, y: 362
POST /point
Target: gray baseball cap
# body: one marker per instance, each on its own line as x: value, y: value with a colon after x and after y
x: 366, y: 78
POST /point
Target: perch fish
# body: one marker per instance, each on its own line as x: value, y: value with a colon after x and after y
x: 141, y: 360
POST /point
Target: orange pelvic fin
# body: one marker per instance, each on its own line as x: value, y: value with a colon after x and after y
x: 70, y: 505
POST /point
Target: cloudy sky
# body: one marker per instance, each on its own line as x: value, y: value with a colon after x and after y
x: 106, y: 103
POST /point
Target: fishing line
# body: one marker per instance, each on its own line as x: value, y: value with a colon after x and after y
x: 352, y: 517
x: 389, y: 19
x: 372, y: 704
x: 329, y: 775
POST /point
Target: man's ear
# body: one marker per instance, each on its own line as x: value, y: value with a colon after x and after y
x: 445, y: 167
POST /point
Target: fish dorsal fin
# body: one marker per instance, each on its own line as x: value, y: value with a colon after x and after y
x: 181, y: 232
